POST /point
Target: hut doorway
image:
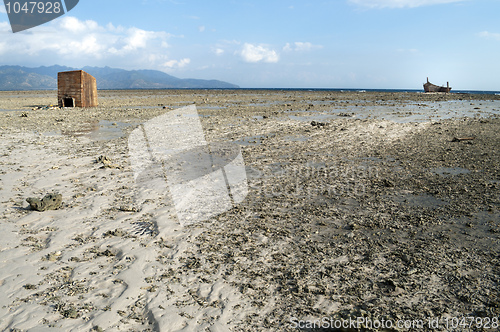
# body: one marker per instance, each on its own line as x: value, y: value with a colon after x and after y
x: 68, y: 102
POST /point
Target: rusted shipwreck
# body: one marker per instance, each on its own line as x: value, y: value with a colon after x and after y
x: 429, y: 87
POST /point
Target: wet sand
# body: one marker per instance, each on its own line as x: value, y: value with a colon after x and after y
x: 360, y: 205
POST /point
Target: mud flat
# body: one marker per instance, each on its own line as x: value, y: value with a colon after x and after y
x: 361, y: 206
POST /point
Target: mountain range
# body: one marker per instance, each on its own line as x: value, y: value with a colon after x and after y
x: 45, y: 78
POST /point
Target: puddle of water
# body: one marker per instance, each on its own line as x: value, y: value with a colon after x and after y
x: 374, y: 159
x: 418, y: 112
x: 82, y: 131
x: 109, y: 130
x: 51, y: 133
x: 480, y: 230
x: 296, y: 138
x: 422, y: 200
x: 210, y: 107
x: 263, y: 104
x: 449, y: 171
x: 312, y: 117
x: 143, y: 107
x: 103, y: 130
x: 183, y: 102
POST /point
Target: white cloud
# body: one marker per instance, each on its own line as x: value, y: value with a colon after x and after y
x: 300, y: 46
x: 218, y: 51
x: 2, y: 9
x: 490, y: 35
x: 88, y: 45
x: 400, y: 3
x: 138, y: 38
x: 258, y: 53
x: 201, y: 28
x: 4, y: 27
x: 177, y: 63
x: 226, y: 47
x: 74, y: 25
x: 77, y: 43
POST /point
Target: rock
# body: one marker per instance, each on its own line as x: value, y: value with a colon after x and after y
x: 30, y: 286
x: 70, y: 313
x: 386, y: 183
x: 129, y: 208
x: 346, y: 114
x: 49, y: 202
x: 106, y: 162
x: 318, y: 124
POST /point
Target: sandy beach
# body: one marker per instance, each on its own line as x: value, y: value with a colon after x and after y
x: 360, y: 206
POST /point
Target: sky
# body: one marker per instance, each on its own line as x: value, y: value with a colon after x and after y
x: 365, y: 44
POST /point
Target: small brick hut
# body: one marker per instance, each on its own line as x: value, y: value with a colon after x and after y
x: 76, y: 89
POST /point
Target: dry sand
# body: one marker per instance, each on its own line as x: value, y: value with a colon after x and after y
x: 359, y: 205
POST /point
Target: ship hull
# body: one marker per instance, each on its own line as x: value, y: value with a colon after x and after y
x: 429, y: 87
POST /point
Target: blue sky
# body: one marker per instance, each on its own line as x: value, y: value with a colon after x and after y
x: 289, y: 43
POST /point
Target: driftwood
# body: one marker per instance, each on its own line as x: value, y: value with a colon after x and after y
x: 460, y: 139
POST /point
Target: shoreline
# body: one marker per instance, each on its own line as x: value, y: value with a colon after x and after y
x: 360, y: 204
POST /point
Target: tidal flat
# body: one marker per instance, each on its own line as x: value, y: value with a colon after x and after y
x: 373, y: 205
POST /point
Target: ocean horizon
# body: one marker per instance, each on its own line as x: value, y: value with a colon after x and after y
x: 482, y: 92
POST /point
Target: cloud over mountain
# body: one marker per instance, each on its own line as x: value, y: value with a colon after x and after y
x: 82, y: 42
x: 258, y: 53
x: 41, y: 78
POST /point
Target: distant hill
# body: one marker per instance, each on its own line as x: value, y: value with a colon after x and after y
x: 45, y: 78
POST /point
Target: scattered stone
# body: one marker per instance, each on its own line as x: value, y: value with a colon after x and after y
x: 107, y: 253
x: 386, y: 183
x: 70, y: 313
x: 49, y: 202
x: 347, y: 114
x: 117, y: 232
x: 48, y: 107
x: 129, y: 208
x: 30, y: 286
x: 106, y: 162
x: 460, y: 139
x: 318, y: 124
x: 52, y: 257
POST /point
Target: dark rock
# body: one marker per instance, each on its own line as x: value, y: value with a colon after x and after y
x: 49, y: 202
x: 106, y: 162
x: 387, y: 183
x: 318, y: 124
